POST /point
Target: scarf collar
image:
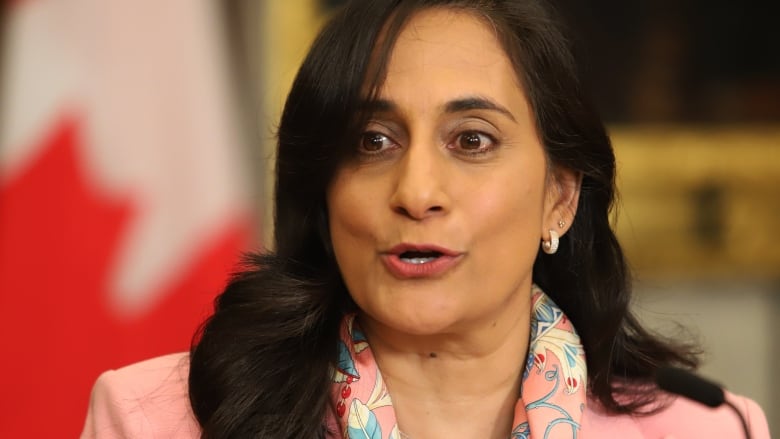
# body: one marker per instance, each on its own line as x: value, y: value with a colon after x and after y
x: 552, y: 396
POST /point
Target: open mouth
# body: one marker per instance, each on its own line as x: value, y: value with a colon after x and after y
x: 410, y: 261
x: 419, y: 257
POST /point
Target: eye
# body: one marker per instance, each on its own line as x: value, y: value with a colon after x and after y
x: 474, y: 142
x: 372, y: 142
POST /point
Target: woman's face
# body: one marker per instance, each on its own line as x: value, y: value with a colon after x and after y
x: 436, y: 223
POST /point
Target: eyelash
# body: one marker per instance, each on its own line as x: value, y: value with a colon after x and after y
x: 453, y: 145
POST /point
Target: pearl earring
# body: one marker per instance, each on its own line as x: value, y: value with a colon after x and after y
x: 551, y: 246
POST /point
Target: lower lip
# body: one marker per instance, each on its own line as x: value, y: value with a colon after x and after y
x: 406, y: 270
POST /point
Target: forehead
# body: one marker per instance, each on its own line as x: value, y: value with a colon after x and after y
x: 444, y: 26
x: 441, y: 52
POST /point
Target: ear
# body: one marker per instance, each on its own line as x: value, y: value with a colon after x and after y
x: 560, y: 204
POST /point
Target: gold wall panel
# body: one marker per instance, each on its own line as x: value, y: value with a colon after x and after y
x: 700, y: 201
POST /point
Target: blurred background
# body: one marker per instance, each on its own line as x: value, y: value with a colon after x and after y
x: 136, y: 158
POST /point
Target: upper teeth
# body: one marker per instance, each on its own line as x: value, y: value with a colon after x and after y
x: 418, y: 260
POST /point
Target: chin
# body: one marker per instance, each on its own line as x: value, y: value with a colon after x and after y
x: 413, y: 311
x: 424, y: 323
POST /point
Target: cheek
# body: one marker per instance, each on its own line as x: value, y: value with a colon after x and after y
x: 507, y: 218
x: 350, y: 218
x: 508, y: 202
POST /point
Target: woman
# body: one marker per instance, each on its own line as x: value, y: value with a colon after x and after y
x: 442, y: 227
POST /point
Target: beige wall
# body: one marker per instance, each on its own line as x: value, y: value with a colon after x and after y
x: 736, y: 324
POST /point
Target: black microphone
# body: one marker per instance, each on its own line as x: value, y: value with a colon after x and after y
x: 684, y: 383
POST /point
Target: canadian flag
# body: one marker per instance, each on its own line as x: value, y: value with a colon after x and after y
x: 123, y: 201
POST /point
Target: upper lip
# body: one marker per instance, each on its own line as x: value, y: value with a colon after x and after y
x: 427, y: 248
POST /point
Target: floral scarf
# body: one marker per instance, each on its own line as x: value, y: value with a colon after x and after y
x: 553, y: 388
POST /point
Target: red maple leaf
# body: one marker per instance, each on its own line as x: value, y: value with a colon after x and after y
x: 58, y: 240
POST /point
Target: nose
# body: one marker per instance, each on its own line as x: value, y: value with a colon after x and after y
x: 420, y: 189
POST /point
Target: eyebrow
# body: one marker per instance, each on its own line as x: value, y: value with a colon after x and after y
x: 476, y: 103
x: 454, y: 106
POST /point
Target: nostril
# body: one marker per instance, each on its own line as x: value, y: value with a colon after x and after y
x: 418, y: 214
x: 401, y: 210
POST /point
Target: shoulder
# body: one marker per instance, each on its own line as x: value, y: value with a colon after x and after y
x: 688, y: 419
x: 681, y: 418
x: 144, y: 400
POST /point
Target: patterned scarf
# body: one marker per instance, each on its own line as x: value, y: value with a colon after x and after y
x: 553, y: 388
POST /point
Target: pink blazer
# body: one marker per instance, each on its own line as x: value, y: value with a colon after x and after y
x: 149, y: 400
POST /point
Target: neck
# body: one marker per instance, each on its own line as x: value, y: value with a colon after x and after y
x: 459, y: 379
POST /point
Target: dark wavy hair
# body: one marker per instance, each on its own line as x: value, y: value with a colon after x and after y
x: 260, y: 366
